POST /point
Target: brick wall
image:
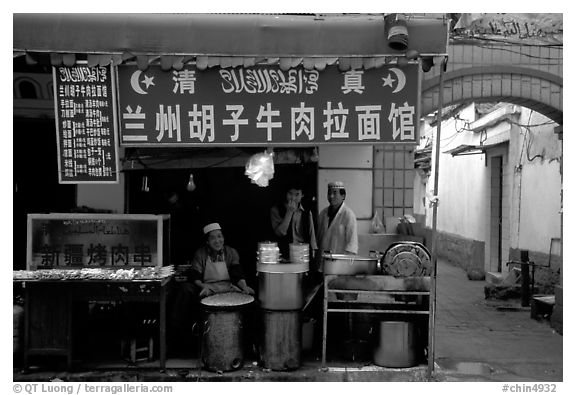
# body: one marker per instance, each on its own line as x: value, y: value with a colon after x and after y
x: 469, y: 254
x: 460, y: 251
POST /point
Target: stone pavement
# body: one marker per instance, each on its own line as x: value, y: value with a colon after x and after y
x: 490, y: 340
x: 476, y: 340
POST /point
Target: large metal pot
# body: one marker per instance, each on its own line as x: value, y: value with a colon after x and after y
x: 349, y: 264
x: 280, y: 285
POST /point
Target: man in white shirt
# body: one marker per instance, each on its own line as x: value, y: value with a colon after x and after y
x: 337, y: 227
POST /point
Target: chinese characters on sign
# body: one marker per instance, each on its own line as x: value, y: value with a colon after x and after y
x: 263, y: 105
x: 94, y: 243
x: 86, y: 129
x: 78, y: 255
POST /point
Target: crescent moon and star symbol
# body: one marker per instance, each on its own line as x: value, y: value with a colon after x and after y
x: 135, y: 82
x: 400, y: 77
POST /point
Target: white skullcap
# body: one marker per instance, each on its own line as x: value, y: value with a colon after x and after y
x: 336, y: 185
x: 210, y: 227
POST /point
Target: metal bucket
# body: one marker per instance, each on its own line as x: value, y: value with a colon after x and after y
x: 397, y: 345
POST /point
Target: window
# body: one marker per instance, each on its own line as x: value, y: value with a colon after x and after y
x: 393, y: 180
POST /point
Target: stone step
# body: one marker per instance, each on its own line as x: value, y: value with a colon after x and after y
x: 494, y: 278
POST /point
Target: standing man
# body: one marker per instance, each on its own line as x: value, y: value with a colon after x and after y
x: 292, y: 223
x: 337, y: 228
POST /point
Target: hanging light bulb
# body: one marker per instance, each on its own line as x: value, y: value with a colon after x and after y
x: 315, y: 155
x: 191, y: 187
x: 145, y: 184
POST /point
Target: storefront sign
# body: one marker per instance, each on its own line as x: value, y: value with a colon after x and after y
x: 265, y: 105
x: 85, y: 124
x: 77, y: 243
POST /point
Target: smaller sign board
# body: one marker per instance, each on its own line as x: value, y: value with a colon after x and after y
x: 113, y: 241
x: 86, y: 124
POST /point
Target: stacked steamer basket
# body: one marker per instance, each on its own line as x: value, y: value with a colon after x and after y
x: 281, y: 299
x: 268, y: 252
x: 299, y: 253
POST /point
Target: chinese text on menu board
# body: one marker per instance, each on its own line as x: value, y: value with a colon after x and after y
x: 85, y: 124
x: 264, y: 104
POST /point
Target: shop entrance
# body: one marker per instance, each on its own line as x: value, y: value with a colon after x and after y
x: 222, y: 194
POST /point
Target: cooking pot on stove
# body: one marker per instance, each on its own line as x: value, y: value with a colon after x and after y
x: 349, y: 264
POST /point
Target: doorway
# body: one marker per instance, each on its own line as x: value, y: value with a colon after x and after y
x: 496, y: 177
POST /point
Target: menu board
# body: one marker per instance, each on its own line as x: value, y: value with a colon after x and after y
x: 86, y: 124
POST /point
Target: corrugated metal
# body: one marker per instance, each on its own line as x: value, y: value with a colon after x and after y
x: 220, y: 39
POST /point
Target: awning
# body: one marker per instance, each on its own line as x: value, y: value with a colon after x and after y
x: 226, y: 36
x: 499, y: 135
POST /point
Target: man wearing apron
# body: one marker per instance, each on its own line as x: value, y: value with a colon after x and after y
x: 216, y: 267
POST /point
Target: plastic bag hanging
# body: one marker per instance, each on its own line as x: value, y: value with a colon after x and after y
x: 260, y: 168
x: 376, y: 226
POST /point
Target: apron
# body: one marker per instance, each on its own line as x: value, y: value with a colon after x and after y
x: 216, y: 273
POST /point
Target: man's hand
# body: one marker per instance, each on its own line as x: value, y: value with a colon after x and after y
x: 291, y: 207
x: 245, y: 288
x: 207, y: 290
x: 248, y: 290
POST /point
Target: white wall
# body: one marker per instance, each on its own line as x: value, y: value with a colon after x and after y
x: 462, y: 181
x: 535, y: 207
x: 540, y: 206
x: 351, y: 164
x: 531, y: 186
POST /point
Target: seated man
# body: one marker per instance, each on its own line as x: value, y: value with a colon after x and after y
x: 216, y: 267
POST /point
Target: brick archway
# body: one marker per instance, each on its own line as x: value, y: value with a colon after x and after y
x: 534, y: 89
